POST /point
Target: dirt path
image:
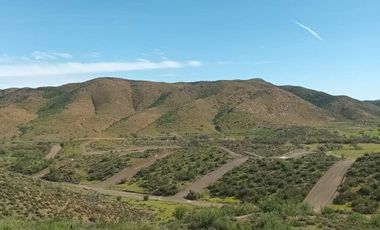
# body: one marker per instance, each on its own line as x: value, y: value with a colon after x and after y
x: 130, y: 171
x: 139, y: 196
x: 325, y: 190
x: 294, y: 154
x: 54, y: 150
x: 44, y: 172
x: 254, y: 155
x: 89, y: 140
x: 203, y: 182
x: 232, y: 153
x: 131, y: 150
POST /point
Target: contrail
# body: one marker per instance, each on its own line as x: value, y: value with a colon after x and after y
x: 308, y: 29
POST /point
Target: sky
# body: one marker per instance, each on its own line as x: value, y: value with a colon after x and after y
x: 332, y: 46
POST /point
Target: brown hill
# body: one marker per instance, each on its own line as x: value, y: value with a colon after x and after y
x: 377, y: 102
x: 113, y: 107
x: 342, y: 107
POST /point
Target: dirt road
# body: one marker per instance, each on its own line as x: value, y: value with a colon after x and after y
x: 139, y: 196
x: 232, y: 153
x: 46, y: 171
x: 54, y: 150
x: 324, y: 191
x: 130, y: 171
x: 203, y: 182
x: 88, y: 141
x: 294, y: 154
x: 131, y: 150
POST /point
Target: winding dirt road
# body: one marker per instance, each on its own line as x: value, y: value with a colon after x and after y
x: 139, y: 196
x: 325, y: 190
x: 127, y: 151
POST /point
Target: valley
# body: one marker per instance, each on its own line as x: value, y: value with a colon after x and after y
x: 226, y: 154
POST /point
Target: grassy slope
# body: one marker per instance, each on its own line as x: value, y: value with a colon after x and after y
x: 34, y: 199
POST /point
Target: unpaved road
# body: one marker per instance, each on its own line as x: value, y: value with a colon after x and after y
x: 83, y: 146
x: 130, y: 171
x: 131, y: 150
x: 295, y: 154
x: 139, y: 196
x: 232, y: 153
x: 203, y: 182
x: 54, y: 150
x: 325, y: 190
x: 46, y: 171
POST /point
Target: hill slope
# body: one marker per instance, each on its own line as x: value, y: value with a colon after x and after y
x: 377, y: 102
x: 38, y: 199
x: 113, y: 107
x: 340, y: 106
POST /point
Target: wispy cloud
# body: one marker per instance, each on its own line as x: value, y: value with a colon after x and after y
x: 76, y: 68
x: 49, y: 55
x: 194, y: 63
x: 308, y: 29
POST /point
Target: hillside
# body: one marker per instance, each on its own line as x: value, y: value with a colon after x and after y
x: 114, y: 107
x: 377, y: 102
x: 340, y: 106
x: 37, y: 199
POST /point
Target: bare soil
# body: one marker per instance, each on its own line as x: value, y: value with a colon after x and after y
x: 54, y: 150
x: 295, y: 154
x: 325, y: 190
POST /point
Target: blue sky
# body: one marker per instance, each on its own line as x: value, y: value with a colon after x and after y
x: 326, y: 45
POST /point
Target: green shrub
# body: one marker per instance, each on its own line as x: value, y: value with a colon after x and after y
x: 192, y: 195
x: 286, y: 179
x: 363, y: 175
x: 165, y: 176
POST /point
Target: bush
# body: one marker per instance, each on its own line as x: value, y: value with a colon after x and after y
x: 286, y: 179
x: 180, y: 212
x: 362, y: 174
x: 192, y: 195
x: 165, y: 176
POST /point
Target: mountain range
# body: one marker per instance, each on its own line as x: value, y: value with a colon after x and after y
x: 117, y: 107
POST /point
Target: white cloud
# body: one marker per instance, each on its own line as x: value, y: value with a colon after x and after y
x: 48, y: 55
x: 75, y: 68
x: 308, y: 29
x: 194, y: 63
